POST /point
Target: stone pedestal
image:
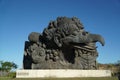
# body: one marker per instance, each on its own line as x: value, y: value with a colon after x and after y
x: 62, y: 73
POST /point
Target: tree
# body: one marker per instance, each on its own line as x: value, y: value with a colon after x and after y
x: 117, y: 63
x: 7, y: 66
x: 1, y: 62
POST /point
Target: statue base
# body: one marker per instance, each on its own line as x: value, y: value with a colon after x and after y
x: 62, y: 73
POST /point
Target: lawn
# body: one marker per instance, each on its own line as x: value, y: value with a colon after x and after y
x: 93, y: 78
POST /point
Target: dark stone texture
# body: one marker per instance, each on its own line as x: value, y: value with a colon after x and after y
x: 64, y: 44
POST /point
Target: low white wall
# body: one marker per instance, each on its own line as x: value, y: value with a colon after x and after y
x: 62, y: 73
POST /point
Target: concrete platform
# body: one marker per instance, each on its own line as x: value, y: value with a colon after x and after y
x: 62, y: 73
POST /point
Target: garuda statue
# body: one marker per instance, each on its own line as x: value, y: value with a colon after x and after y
x: 64, y: 44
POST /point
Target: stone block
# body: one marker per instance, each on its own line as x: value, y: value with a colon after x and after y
x: 62, y: 73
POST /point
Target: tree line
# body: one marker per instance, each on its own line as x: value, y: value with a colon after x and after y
x: 7, y: 66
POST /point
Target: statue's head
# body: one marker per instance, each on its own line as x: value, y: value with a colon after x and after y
x: 65, y: 31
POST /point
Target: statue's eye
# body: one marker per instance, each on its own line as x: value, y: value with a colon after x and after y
x: 84, y: 33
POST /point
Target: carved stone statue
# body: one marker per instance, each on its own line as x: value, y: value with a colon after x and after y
x: 64, y: 44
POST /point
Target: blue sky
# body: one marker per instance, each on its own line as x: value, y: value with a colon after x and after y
x: 20, y: 17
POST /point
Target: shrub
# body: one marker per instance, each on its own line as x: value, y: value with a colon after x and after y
x: 12, y: 75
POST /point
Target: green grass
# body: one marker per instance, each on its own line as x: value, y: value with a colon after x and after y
x: 4, y: 78
x: 92, y: 78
